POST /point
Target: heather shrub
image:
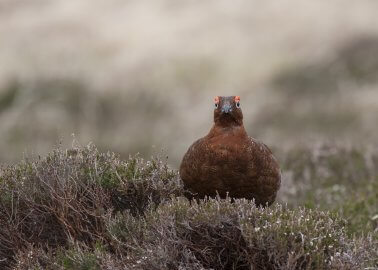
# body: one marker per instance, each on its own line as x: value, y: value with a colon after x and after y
x: 69, y: 194
x: 82, y: 209
x: 219, y: 234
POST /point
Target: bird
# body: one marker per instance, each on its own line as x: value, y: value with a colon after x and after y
x: 229, y: 163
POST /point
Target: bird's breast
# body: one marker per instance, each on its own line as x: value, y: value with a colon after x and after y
x: 228, y: 157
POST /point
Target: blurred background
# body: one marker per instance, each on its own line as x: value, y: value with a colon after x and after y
x: 140, y: 76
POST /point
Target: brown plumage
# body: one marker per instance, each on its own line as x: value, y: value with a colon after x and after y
x: 228, y: 161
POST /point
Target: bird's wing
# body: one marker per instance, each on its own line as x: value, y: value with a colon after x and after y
x: 268, y: 163
x: 190, y: 160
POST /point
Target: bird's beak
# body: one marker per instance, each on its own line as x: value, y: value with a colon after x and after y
x: 226, y: 108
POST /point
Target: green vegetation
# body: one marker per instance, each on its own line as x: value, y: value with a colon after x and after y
x: 82, y: 209
x: 338, y: 179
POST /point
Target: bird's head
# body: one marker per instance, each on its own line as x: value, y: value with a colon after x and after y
x: 227, y: 111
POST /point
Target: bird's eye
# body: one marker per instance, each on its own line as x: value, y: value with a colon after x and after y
x: 237, y: 101
x: 216, y: 101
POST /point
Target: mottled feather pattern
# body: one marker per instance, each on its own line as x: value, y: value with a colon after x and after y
x: 228, y: 161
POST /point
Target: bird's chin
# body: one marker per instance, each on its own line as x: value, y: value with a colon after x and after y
x: 226, y: 115
x: 226, y: 120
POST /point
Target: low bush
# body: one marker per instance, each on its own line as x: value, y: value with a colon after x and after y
x: 68, y: 195
x: 219, y: 234
x: 81, y: 209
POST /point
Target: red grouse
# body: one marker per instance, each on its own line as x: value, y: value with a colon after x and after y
x: 228, y: 161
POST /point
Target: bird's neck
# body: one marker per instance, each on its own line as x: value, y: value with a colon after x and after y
x: 229, y: 130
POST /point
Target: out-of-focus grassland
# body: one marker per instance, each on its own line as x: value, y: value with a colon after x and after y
x: 129, y: 75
